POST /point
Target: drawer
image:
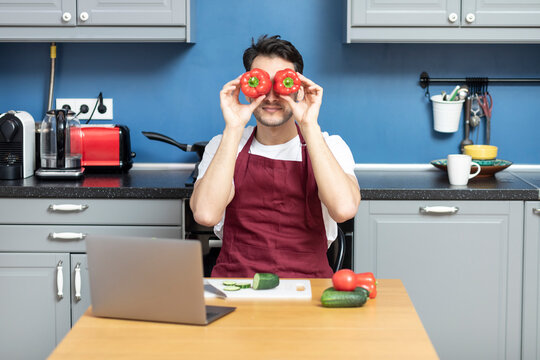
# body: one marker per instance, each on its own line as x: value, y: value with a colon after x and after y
x: 39, y: 238
x: 437, y: 208
x: 91, y: 211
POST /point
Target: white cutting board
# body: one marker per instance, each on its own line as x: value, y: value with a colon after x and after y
x: 287, y: 289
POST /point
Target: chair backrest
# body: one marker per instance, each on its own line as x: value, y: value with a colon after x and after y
x: 336, y: 251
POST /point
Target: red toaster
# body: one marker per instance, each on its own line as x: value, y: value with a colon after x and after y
x: 106, y: 148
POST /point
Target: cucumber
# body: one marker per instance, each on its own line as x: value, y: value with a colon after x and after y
x: 231, y: 288
x: 334, y: 298
x: 263, y: 281
x: 229, y: 283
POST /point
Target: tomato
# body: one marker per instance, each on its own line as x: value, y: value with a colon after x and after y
x: 344, y: 280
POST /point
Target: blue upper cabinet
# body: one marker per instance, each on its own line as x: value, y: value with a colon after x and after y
x: 96, y: 20
x: 455, y: 21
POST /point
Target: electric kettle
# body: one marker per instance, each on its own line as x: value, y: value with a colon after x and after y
x: 60, y: 145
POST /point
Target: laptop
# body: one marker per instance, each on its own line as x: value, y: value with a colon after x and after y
x: 151, y: 279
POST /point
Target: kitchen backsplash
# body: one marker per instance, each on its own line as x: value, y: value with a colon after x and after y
x: 371, y: 92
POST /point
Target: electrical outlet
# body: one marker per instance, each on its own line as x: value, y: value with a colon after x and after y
x: 76, y: 104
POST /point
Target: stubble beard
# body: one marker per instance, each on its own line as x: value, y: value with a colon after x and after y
x: 269, y: 120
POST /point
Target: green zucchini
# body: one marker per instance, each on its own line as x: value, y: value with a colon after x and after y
x: 263, y: 281
x: 334, y: 298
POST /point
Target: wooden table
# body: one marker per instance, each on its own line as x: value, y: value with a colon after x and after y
x: 384, y: 328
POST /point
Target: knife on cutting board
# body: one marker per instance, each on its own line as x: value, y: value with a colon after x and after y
x: 214, y: 290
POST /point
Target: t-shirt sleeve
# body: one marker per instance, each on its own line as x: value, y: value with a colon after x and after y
x: 209, y: 152
x: 341, y: 152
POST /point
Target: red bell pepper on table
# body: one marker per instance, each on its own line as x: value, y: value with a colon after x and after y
x: 255, y: 83
x: 367, y: 281
x: 286, y: 82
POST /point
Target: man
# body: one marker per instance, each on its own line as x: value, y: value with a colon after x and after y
x: 274, y: 192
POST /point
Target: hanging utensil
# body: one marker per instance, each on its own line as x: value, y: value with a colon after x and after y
x: 476, y: 111
x: 466, y: 141
x: 486, y: 103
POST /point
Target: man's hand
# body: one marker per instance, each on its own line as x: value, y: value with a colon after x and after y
x: 306, y: 111
x: 235, y: 113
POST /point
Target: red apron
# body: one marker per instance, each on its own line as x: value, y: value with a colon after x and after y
x: 274, y: 222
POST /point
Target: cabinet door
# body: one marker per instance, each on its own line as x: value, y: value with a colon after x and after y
x: 34, y: 13
x: 34, y: 318
x: 132, y: 12
x: 404, y: 13
x: 462, y: 270
x: 531, y: 283
x: 80, y: 287
x: 511, y: 13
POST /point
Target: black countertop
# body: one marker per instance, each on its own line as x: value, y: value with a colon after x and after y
x: 135, y: 184
x: 374, y: 184
x: 531, y: 177
x: 434, y: 185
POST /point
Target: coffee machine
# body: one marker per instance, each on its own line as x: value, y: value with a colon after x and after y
x: 60, y: 145
x: 17, y: 145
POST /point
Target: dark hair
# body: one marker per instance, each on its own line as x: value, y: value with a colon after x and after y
x: 273, y: 46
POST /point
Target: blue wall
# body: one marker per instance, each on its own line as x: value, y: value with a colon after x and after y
x: 371, y: 93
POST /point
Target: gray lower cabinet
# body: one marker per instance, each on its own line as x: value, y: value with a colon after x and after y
x: 43, y: 268
x: 34, y: 317
x: 531, y: 283
x: 496, y: 21
x: 461, y: 263
x: 96, y: 20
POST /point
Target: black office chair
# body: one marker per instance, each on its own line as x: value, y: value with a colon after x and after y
x: 336, y: 251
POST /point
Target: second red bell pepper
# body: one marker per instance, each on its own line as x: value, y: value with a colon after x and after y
x: 255, y: 83
x: 367, y: 281
x: 286, y: 82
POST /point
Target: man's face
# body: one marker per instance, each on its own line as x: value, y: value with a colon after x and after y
x: 273, y: 111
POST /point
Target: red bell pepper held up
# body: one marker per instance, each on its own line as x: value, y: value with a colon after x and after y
x: 286, y: 82
x: 255, y: 83
x: 367, y: 281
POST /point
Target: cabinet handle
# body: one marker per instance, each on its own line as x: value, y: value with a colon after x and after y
x: 67, y: 236
x: 452, y: 17
x: 67, y: 207
x: 66, y: 17
x: 59, y: 280
x: 439, y: 209
x: 78, y: 282
x: 470, y: 18
x: 84, y: 16
x: 536, y: 211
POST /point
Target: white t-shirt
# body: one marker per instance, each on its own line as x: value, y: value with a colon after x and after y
x: 292, y: 151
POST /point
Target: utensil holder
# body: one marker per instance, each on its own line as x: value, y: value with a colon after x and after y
x: 446, y: 114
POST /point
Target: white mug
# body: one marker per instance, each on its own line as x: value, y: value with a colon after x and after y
x: 459, y: 169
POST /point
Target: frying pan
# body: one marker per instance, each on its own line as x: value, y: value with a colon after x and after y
x: 198, y: 147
